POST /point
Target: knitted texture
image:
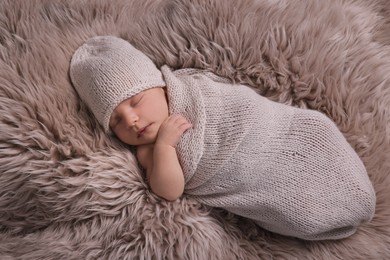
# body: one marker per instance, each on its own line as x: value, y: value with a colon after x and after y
x: 106, y: 70
x: 291, y: 170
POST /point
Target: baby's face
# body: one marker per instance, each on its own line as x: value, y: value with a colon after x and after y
x: 136, y: 120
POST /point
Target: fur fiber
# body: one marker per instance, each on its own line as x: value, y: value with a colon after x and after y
x: 68, y: 191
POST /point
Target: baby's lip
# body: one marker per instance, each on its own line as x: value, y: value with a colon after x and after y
x: 142, y: 130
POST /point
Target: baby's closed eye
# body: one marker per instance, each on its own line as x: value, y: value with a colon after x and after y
x: 135, y: 100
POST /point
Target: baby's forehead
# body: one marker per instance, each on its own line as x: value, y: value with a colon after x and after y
x: 139, y: 94
x: 124, y: 101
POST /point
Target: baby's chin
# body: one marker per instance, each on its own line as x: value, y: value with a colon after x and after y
x: 141, y: 141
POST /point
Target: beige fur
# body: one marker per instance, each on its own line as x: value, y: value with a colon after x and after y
x: 67, y: 191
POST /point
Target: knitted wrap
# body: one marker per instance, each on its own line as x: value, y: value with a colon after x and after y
x: 291, y: 170
x: 106, y: 70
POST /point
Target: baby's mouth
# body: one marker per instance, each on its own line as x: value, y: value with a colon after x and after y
x: 142, y: 131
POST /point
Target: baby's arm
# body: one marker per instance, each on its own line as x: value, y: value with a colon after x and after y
x: 160, y: 160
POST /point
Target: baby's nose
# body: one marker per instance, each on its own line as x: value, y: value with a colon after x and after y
x: 131, y: 119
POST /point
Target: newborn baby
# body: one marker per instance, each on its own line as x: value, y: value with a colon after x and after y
x: 289, y: 169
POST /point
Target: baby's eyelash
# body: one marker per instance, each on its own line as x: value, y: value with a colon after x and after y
x: 136, y: 101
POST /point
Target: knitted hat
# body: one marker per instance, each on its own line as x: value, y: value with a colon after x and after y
x: 106, y: 70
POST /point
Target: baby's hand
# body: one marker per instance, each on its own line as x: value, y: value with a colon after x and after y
x: 172, y: 129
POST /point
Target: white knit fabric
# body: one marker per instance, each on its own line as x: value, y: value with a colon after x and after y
x: 106, y: 70
x: 289, y: 169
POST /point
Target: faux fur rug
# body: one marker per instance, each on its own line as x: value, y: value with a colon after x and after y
x: 67, y: 191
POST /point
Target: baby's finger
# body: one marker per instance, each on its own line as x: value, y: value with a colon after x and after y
x: 177, y: 117
x: 183, y: 124
x: 177, y: 121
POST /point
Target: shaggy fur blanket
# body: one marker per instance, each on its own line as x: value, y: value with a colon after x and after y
x: 68, y: 191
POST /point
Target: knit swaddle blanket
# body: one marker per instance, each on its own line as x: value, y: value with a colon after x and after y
x: 290, y: 170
